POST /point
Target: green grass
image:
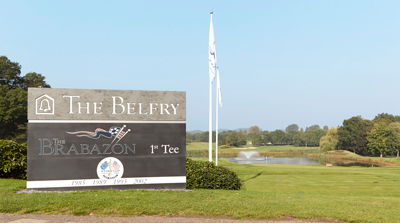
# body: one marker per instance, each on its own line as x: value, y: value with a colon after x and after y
x: 386, y: 159
x: 269, y: 191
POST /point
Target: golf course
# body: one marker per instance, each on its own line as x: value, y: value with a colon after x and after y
x: 269, y: 191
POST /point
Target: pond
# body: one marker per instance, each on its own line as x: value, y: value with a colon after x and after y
x: 273, y: 160
x: 255, y: 158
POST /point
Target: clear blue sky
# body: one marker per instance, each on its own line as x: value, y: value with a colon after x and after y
x: 281, y: 62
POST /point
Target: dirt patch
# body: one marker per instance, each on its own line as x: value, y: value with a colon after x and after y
x: 146, y: 219
x: 339, y: 152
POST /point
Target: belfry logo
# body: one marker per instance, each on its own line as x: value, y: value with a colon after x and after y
x: 44, y: 105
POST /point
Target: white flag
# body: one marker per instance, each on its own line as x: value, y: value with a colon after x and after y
x: 219, y: 89
x: 212, y: 54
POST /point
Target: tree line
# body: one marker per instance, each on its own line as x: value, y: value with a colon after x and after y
x: 14, y: 99
x: 380, y: 136
x: 293, y: 135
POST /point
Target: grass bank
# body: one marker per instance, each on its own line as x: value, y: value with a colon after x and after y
x: 270, y: 191
x: 342, y: 155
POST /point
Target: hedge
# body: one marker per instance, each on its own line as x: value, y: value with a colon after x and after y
x: 205, y: 175
x: 12, y: 159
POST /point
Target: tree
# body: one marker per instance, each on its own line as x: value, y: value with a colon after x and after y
x: 35, y: 80
x: 306, y: 137
x: 316, y: 136
x: 326, y: 128
x: 378, y: 138
x: 13, y: 111
x: 193, y: 136
x: 330, y: 140
x: 10, y: 74
x: 244, y: 132
x: 250, y: 135
x: 256, y: 140
x: 387, y: 116
x: 233, y: 139
x: 222, y: 137
x: 243, y: 139
x: 254, y: 129
x: 297, y: 140
x: 13, y: 98
x: 277, y: 137
x: 312, y: 128
x: 395, y: 137
x: 289, y: 137
x: 352, y: 136
x: 204, y: 136
x: 266, y: 137
x: 292, y: 128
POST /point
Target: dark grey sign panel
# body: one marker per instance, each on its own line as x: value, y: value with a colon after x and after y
x: 68, y: 154
x: 100, y: 154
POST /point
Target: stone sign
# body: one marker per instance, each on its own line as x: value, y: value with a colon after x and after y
x: 100, y: 139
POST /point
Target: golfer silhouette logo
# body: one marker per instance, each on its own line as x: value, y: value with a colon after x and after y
x: 44, y: 105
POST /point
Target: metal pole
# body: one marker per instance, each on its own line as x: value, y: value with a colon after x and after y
x: 216, y: 124
x: 209, y: 127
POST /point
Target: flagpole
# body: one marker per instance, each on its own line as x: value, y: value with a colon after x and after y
x: 209, y: 127
x: 210, y: 117
x: 216, y: 124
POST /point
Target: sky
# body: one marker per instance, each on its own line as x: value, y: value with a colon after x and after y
x: 280, y: 62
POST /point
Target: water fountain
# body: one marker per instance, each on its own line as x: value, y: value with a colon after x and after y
x: 250, y: 156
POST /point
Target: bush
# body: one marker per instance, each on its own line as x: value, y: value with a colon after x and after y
x: 205, y: 175
x: 12, y: 159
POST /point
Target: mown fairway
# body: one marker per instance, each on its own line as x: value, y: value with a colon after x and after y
x: 269, y: 191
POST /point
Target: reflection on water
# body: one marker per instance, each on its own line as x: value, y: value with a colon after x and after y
x: 297, y: 161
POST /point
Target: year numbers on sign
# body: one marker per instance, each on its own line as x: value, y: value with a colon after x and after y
x: 78, y: 182
x: 99, y: 182
x: 120, y: 181
x: 140, y: 181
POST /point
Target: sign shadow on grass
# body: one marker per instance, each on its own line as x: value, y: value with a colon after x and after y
x: 255, y: 176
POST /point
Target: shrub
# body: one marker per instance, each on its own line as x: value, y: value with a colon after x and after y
x: 205, y: 175
x: 12, y: 159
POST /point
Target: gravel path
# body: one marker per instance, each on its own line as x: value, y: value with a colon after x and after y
x: 29, y: 218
